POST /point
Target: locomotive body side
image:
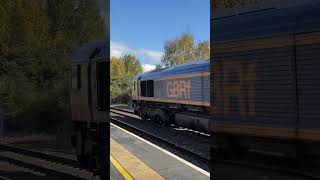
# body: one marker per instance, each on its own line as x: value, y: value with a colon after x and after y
x: 263, y: 62
x: 179, y: 89
x: 79, y: 92
x: 134, y: 94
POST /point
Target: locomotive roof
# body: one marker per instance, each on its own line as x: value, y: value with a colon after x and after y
x: 263, y: 5
x: 97, y: 49
x: 264, y: 20
x: 193, y: 67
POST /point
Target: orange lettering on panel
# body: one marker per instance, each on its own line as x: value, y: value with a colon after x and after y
x: 183, y: 89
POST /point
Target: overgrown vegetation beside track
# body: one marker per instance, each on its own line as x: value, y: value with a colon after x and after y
x: 36, y: 40
x: 122, y: 71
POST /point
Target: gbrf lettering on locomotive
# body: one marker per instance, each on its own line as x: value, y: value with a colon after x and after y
x: 179, y: 89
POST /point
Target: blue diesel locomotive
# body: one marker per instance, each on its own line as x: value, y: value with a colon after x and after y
x: 176, y: 95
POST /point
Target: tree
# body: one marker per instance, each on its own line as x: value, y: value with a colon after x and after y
x: 132, y: 65
x: 158, y: 67
x: 36, y: 40
x: 122, y: 71
x: 183, y: 49
x: 202, y: 51
x: 178, y: 51
x: 117, y: 68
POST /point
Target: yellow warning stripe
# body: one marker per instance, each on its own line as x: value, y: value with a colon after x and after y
x: 134, y: 166
x: 124, y: 173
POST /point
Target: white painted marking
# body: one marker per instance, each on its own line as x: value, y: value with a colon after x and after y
x: 166, y: 152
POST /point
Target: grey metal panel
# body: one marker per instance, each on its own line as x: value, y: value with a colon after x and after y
x: 308, y: 74
x: 193, y: 67
x: 195, y: 90
x: 254, y: 25
x: 308, y: 68
x: 164, y: 88
x: 272, y: 99
x: 206, y: 88
x: 274, y: 102
x: 287, y: 84
x: 263, y: 5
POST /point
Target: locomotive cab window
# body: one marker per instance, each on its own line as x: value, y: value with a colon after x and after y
x: 150, y: 88
x: 143, y: 88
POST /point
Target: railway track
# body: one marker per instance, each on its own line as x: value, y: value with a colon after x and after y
x: 185, y: 151
x: 248, y: 163
x: 133, y: 115
x: 50, y: 166
x: 123, y: 110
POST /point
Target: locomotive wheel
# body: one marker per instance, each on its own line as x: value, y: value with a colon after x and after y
x: 144, y: 117
x: 161, y: 118
x: 158, y: 119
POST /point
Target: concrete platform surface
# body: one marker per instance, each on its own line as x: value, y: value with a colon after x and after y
x: 132, y: 157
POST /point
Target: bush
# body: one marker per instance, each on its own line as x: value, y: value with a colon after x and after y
x: 124, y: 98
x: 121, y: 90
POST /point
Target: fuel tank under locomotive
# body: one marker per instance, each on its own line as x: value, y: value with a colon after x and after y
x: 193, y: 121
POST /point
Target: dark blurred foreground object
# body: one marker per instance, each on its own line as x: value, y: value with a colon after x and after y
x: 265, y: 84
x: 90, y: 105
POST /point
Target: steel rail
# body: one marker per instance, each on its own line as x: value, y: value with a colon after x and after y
x: 161, y: 140
x: 37, y: 154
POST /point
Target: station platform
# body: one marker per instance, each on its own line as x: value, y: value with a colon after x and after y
x: 132, y: 157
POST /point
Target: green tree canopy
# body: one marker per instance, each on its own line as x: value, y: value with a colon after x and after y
x: 126, y: 66
x: 158, y: 67
x: 122, y: 71
x: 202, y: 51
x: 117, y: 68
x: 132, y: 65
x: 37, y: 38
x: 183, y: 49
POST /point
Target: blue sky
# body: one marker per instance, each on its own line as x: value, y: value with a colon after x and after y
x: 141, y: 27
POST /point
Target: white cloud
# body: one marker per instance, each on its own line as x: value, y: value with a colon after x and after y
x: 145, y: 55
x: 148, y: 67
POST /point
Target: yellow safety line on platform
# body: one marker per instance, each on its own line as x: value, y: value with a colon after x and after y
x: 134, y: 166
x: 124, y: 173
